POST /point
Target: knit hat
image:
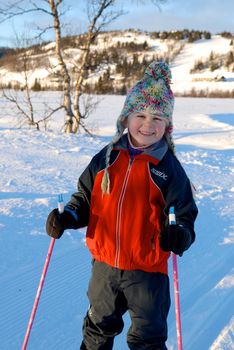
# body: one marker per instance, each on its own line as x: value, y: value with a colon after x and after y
x: 153, y: 93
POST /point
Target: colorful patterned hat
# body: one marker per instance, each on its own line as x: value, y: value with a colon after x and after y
x: 152, y: 92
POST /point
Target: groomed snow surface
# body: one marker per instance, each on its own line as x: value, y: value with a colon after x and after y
x: 37, y: 166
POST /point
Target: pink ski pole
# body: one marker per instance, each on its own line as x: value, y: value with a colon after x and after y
x: 172, y: 221
x: 177, y: 302
x: 42, y: 280
x: 39, y: 290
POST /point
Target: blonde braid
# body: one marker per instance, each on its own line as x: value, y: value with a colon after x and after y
x: 105, y: 185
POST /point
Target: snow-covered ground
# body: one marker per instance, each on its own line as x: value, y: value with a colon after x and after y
x: 36, y: 166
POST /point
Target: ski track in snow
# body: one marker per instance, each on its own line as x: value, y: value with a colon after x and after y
x: 35, y: 167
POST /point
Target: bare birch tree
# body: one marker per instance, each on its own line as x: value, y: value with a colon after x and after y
x: 100, y: 14
x: 67, y: 97
x: 22, y: 100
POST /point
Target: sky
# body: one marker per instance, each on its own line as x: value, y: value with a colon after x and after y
x: 211, y: 15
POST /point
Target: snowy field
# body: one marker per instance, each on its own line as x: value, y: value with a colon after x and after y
x: 36, y: 166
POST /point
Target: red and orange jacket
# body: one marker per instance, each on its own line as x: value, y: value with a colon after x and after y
x: 124, y: 226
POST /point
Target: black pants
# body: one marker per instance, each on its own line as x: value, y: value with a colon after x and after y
x: 111, y: 293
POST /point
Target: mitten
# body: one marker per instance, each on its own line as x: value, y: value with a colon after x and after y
x: 58, y: 222
x: 176, y: 238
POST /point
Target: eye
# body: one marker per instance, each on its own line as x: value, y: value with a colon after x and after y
x: 158, y: 119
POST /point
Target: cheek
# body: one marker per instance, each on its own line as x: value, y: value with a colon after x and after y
x: 133, y: 124
x: 162, y: 128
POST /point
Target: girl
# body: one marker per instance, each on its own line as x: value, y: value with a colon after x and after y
x: 123, y: 198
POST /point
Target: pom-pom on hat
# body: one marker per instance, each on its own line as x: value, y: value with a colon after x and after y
x: 152, y: 93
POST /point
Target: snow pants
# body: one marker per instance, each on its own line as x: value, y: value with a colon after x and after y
x: 111, y: 293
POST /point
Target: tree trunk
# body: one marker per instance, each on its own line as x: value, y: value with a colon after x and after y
x: 79, y: 82
x: 65, y: 74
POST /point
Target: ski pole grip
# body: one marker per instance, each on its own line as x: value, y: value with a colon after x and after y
x: 172, y: 217
x: 60, y: 204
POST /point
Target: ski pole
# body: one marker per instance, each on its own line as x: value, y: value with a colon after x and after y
x: 172, y: 221
x: 42, y: 280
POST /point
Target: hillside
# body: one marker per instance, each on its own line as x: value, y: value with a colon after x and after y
x: 118, y: 59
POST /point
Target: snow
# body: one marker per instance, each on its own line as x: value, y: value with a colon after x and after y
x: 183, y: 81
x: 37, y: 166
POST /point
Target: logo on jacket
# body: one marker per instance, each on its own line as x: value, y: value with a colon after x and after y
x: 159, y: 173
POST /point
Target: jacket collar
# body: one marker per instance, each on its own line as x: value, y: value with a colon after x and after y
x: 157, y: 150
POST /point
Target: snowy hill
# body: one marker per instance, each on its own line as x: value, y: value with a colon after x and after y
x: 123, y: 53
x: 184, y: 81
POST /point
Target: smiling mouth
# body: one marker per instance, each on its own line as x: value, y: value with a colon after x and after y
x: 145, y: 133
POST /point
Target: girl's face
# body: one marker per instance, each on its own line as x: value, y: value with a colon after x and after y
x: 145, y: 128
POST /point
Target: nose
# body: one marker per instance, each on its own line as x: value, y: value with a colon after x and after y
x: 148, y: 122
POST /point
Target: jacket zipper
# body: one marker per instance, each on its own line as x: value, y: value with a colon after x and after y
x: 119, y: 212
